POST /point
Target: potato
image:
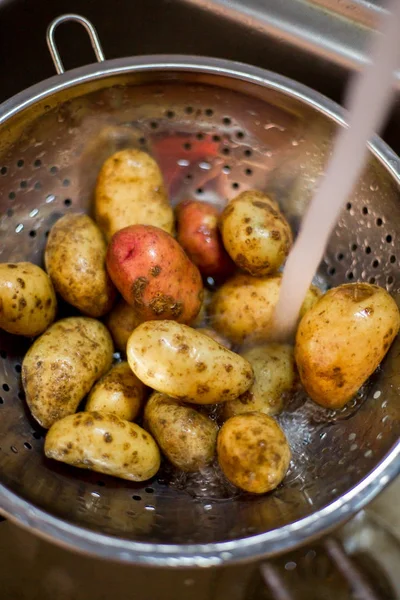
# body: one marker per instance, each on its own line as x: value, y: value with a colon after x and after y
x: 154, y: 275
x: 274, y: 378
x: 119, y: 392
x: 121, y: 321
x: 75, y: 261
x: 62, y: 365
x: 255, y: 233
x: 243, y: 307
x: 27, y: 300
x: 185, y: 364
x: 214, y: 335
x: 186, y: 437
x: 199, y: 236
x: 130, y: 191
x: 103, y: 443
x: 253, y: 452
x: 342, y: 339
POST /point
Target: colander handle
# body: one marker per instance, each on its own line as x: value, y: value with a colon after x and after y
x: 94, y: 39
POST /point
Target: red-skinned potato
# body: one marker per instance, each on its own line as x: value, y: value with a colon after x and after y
x: 154, y: 275
x: 199, y: 236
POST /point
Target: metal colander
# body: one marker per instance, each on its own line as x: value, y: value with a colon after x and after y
x: 216, y: 128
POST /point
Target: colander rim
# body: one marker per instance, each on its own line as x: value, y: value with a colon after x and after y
x: 272, y: 542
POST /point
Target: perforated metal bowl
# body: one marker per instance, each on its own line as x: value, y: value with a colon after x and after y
x: 216, y: 128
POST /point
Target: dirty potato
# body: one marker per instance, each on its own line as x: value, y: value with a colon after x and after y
x: 104, y: 443
x: 75, y: 261
x: 255, y: 233
x: 274, y: 379
x: 253, y: 452
x: 154, y: 275
x: 27, y: 300
x: 342, y: 339
x: 130, y: 191
x: 119, y: 392
x: 243, y: 307
x: 62, y: 365
x: 121, y: 321
x: 186, y: 437
x: 199, y: 236
x: 181, y: 362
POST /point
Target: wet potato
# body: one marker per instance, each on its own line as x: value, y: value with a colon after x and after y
x: 255, y: 233
x: 243, y: 307
x: 186, y: 437
x: 62, y: 365
x: 274, y: 379
x: 130, y: 191
x: 104, y: 443
x: 154, y: 275
x: 118, y: 392
x: 342, y: 339
x: 75, y: 261
x: 27, y: 299
x: 181, y: 362
x: 253, y: 452
x: 199, y: 236
x: 121, y: 321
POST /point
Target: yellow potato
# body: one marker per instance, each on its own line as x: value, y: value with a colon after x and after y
x: 186, y: 437
x: 130, y: 191
x: 243, y: 308
x: 119, y: 392
x: 274, y: 378
x: 342, y: 339
x: 27, y: 300
x: 179, y: 361
x: 214, y: 335
x: 255, y: 233
x: 253, y: 452
x: 62, y: 365
x: 75, y: 260
x: 104, y: 443
x: 121, y: 321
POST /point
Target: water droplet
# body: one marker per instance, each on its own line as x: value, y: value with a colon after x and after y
x: 95, y: 494
x: 377, y: 394
x: 34, y: 212
x: 205, y: 166
x: 352, y: 436
x: 290, y: 566
x: 19, y: 228
x: 368, y: 453
x: 374, y: 187
x: 50, y: 198
x: 182, y: 162
x: 207, y: 507
x: 150, y: 507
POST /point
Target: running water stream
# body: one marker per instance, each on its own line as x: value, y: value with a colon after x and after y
x: 368, y: 101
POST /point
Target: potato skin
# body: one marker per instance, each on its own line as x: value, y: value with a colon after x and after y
x: 181, y: 362
x: 121, y: 321
x: 253, y: 452
x: 104, y: 443
x: 154, y: 275
x: 342, y: 339
x: 274, y: 378
x: 75, y: 261
x: 199, y: 236
x: 62, y: 365
x: 27, y: 299
x: 186, y: 437
x: 130, y: 191
x: 255, y: 233
x: 243, y: 307
x: 118, y: 392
